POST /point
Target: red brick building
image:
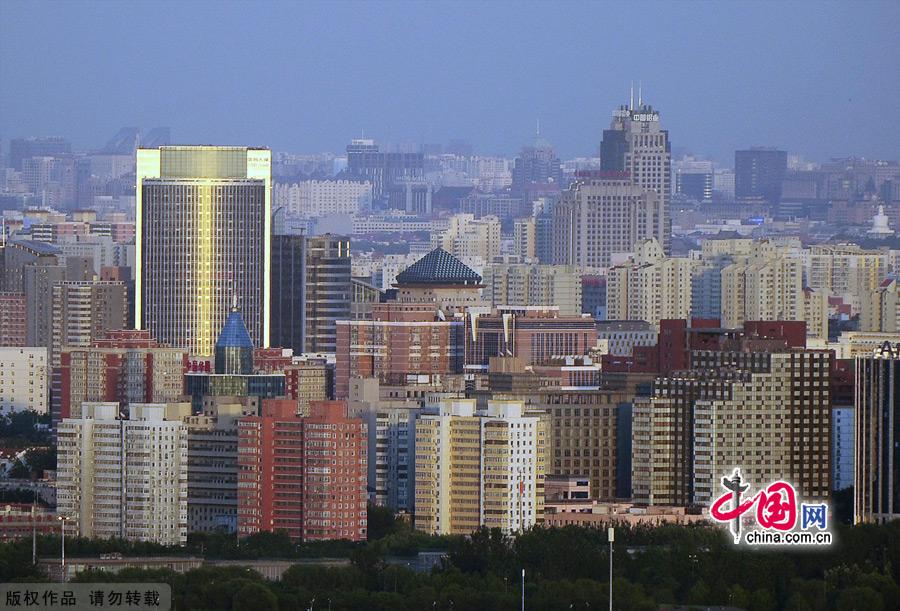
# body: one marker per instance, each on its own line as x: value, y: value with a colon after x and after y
x: 302, y: 475
x: 125, y: 366
x: 12, y: 320
x: 535, y: 334
x: 401, y: 340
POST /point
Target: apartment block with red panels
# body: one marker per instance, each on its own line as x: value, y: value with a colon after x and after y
x: 305, y: 476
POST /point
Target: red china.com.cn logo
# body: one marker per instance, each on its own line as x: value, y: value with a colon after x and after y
x: 779, y: 518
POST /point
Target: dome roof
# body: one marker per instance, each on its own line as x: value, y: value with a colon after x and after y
x: 438, y: 267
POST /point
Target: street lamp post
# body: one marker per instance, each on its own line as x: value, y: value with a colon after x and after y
x: 523, y: 589
x: 611, y: 535
x: 63, y: 520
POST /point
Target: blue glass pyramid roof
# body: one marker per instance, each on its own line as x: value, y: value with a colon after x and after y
x: 234, y: 334
x: 438, y: 267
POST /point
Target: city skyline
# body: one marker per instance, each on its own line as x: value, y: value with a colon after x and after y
x: 321, y: 94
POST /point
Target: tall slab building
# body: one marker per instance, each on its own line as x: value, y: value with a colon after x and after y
x: 203, y: 237
x: 637, y: 144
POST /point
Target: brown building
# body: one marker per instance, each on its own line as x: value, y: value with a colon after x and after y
x: 537, y: 335
x: 12, y: 320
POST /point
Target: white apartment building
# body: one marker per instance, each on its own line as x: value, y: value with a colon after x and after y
x: 527, y: 284
x: 24, y: 380
x: 479, y: 468
x: 468, y: 237
x: 125, y: 477
x: 650, y: 286
x: 315, y: 198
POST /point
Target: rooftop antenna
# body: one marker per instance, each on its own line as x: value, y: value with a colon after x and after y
x: 234, y: 307
x: 640, y: 94
x: 631, y: 101
x: 538, y: 126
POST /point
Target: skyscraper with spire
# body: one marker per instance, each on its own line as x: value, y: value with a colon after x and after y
x: 636, y: 143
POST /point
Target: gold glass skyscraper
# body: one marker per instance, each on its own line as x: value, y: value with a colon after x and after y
x: 203, y: 238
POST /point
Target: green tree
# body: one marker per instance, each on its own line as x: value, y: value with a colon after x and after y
x: 254, y: 597
x: 860, y: 598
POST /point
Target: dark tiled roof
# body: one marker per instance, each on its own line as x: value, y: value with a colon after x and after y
x: 234, y: 334
x: 438, y: 267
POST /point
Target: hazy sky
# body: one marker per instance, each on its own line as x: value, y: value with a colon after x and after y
x: 821, y: 80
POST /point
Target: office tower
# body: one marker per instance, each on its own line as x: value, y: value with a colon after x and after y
x: 649, y: 286
x: 534, y: 334
x: 536, y: 164
x: 312, y: 289
x: 289, y: 292
x: 842, y: 454
x: 759, y: 173
x: 746, y: 398
x: 305, y: 476
x: 328, y: 291
x: 122, y: 367
x: 24, y: 376
x: 203, y: 233
x: 876, y: 482
x: 604, y: 213
x: 234, y: 373
x: 468, y: 238
x: 482, y: 468
x: 383, y: 169
x: 585, y: 439
x: 125, y: 478
x: 21, y: 149
x: 212, y: 468
x: 13, y: 316
x: 306, y: 378
x: 501, y: 205
x: 527, y: 284
x: 694, y: 179
x: 636, y: 144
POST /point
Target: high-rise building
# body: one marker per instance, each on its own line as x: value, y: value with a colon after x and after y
x: 759, y: 173
x: 312, y: 289
x: 694, y: 179
x: 527, y: 284
x: 203, y: 237
x: 534, y: 334
x: 82, y: 313
x: 745, y: 398
x: 636, y: 144
x: 536, y: 164
x: 842, y: 422
x: 383, y: 169
x: 482, y: 468
x: 604, y: 213
x: 13, y: 316
x: 24, y: 376
x: 649, y: 286
x: 468, y: 238
x: 125, y: 478
x: 329, y: 291
x: 123, y: 367
x: 21, y: 149
x: 876, y: 482
x: 303, y: 475
x: 212, y: 467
